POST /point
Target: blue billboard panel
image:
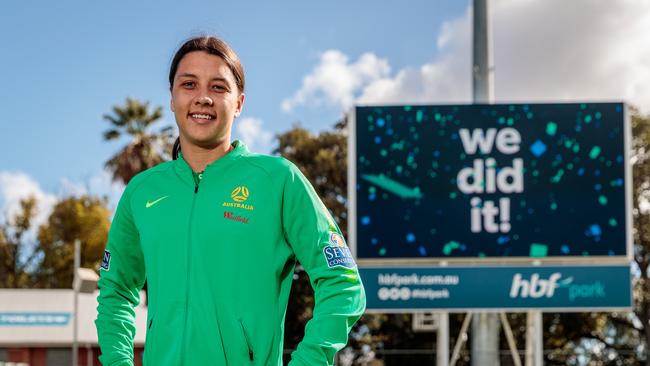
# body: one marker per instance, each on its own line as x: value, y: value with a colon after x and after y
x: 567, y: 288
x: 504, y: 180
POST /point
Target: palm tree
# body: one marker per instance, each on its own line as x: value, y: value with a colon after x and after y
x: 146, y: 149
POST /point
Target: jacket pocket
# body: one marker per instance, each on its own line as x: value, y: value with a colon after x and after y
x: 251, y: 354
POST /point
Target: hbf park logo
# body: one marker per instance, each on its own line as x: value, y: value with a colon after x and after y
x: 537, y: 286
x: 239, y: 194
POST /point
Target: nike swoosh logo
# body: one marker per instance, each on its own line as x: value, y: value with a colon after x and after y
x: 149, y: 204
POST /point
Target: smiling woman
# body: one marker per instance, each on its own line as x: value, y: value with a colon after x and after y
x: 217, y: 233
x: 206, y: 80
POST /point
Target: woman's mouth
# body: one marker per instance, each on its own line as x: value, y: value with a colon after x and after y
x: 201, y: 118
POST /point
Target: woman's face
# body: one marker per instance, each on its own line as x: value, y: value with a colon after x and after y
x: 205, y: 100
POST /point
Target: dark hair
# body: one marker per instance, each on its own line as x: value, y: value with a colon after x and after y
x: 214, y: 46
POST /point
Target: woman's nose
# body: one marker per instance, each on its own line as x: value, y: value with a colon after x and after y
x: 204, y: 100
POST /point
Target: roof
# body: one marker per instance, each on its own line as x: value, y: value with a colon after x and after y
x: 44, y: 317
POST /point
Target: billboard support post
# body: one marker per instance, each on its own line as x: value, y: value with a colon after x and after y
x: 485, y: 327
x: 510, y: 338
x: 534, y: 337
x: 442, y: 341
x: 462, y: 337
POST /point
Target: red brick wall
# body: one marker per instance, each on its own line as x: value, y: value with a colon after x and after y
x: 31, y: 356
x: 36, y: 356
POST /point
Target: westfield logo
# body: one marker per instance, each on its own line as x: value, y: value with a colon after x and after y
x: 231, y: 216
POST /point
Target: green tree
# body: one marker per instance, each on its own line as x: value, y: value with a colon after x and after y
x: 323, y: 160
x: 84, y: 218
x: 14, y: 262
x: 641, y: 230
x: 146, y: 149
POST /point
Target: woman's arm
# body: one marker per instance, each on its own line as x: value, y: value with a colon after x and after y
x: 122, y: 277
x: 319, y: 246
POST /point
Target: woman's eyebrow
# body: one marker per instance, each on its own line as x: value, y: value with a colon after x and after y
x: 187, y: 74
x: 190, y: 75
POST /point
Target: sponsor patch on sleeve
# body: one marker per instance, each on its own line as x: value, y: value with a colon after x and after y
x: 337, y: 239
x: 106, y: 260
x: 337, y: 253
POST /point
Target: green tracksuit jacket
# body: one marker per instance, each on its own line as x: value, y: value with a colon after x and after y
x: 218, y: 250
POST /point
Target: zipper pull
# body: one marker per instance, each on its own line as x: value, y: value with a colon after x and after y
x: 196, y: 188
x: 250, y: 354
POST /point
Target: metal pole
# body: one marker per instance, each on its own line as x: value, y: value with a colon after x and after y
x: 75, y: 345
x: 462, y: 337
x: 510, y: 338
x: 485, y: 326
x: 534, y: 339
x: 443, y: 339
x: 539, y: 338
x: 89, y: 355
x: 529, y: 338
x: 482, y: 72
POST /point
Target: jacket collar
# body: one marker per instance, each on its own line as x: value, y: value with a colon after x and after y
x: 185, y: 171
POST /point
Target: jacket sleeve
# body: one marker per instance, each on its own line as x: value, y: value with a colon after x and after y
x: 319, y: 246
x: 122, y: 276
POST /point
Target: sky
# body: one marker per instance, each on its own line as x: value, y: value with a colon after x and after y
x: 64, y: 64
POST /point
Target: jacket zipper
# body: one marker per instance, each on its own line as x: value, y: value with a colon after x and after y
x: 248, y: 343
x: 187, y: 277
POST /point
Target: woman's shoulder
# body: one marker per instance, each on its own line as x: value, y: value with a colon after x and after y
x: 144, y: 175
x: 271, y: 163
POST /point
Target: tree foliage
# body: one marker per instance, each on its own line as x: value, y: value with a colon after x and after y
x: 146, y: 149
x: 14, y: 259
x: 323, y: 160
x: 82, y: 218
x: 48, y: 262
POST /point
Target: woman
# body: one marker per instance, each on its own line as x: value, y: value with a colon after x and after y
x: 217, y: 232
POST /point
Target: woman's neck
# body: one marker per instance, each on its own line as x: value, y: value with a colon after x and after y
x: 198, y: 157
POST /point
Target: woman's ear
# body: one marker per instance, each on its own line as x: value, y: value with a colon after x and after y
x: 240, y: 104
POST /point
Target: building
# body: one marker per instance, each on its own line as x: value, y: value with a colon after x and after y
x: 36, y: 328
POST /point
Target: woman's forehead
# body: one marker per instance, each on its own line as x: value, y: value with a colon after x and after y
x: 202, y: 64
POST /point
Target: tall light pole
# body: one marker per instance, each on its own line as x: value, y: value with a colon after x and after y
x: 485, y: 326
x: 75, y: 288
x: 84, y: 281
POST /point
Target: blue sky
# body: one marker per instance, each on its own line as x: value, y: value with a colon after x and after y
x: 65, y: 64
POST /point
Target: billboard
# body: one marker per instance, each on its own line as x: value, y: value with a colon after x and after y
x: 490, y: 181
x: 558, y: 288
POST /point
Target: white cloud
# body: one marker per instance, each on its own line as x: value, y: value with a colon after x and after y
x: 336, y: 81
x: 252, y: 133
x: 544, y: 50
x: 100, y: 184
x: 16, y: 186
x: 445, y: 80
x: 576, y: 50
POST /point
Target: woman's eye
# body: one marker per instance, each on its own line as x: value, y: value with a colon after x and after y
x: 188, y: 84
x: 218, y: 87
